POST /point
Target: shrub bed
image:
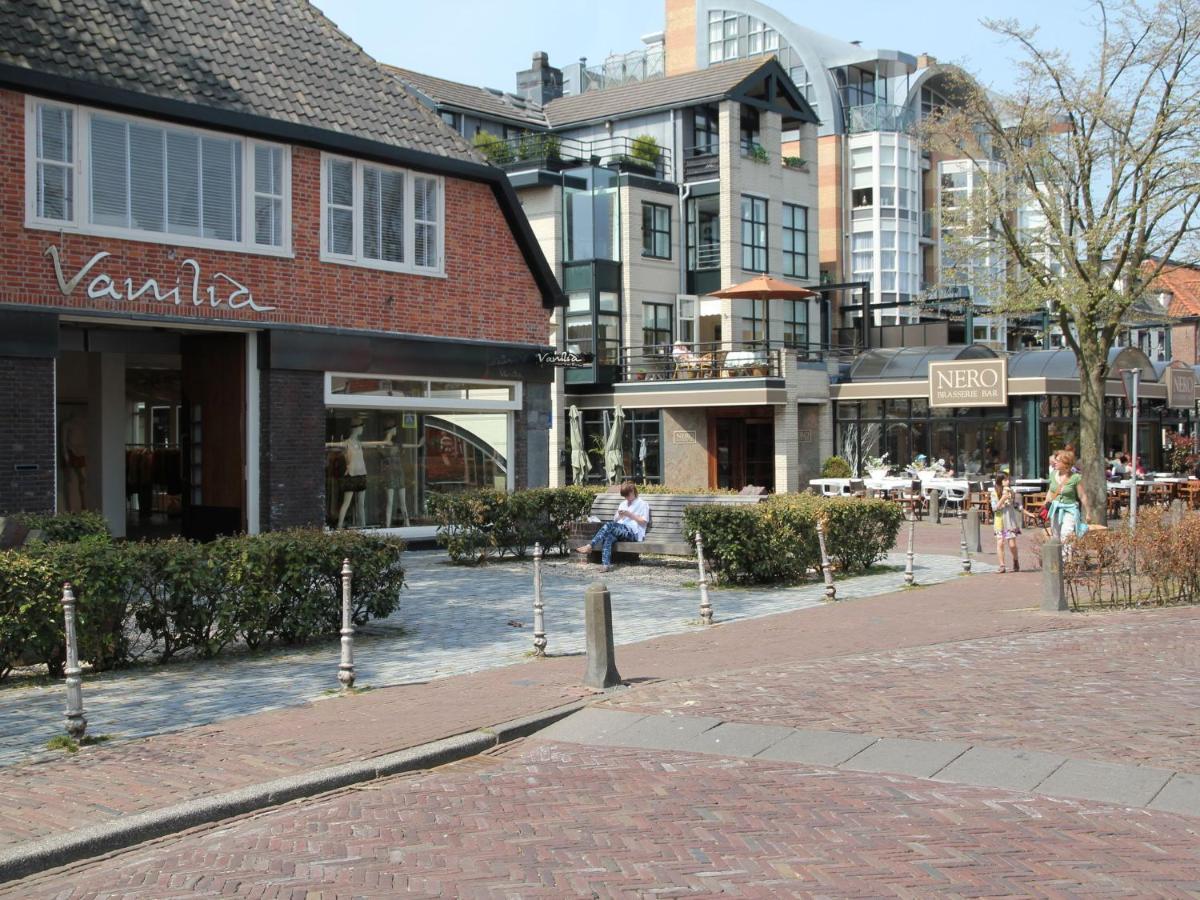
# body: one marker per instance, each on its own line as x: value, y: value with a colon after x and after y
x: 160, y: 599
x: 474, y: 526
x: 777, y: 540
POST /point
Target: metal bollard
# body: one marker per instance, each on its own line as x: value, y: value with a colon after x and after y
x: 346, y: 667
x: 601, y: 659
x: 973, y: 528
x: 1054, y: 595
x: 76, y: 723
x: 539, y: 619
x: 966, y: 555
x: 706, y: 610
x: 826, y: 565
x: 908, y: 557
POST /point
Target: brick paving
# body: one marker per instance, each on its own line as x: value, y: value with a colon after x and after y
x: 1123, y: 691
x: 552, y: 820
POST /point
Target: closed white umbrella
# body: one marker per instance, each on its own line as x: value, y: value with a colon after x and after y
x: 614, y: 457
x: 580, y: 464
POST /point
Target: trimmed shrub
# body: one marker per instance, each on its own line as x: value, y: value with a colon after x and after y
x: 777, y: 540
x: 31, y: 627
x: 66, y: 527
x: 476, y: 525
x: 836, y: 467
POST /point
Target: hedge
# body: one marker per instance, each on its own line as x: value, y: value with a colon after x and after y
x: 160, y: 599
x: 476, y: 525
x: 777, y: 540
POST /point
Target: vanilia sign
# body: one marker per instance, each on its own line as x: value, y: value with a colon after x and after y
x: 976, y: 382
x: 191, y: 288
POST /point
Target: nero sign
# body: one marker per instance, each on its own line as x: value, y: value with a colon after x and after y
x: 976, y: 382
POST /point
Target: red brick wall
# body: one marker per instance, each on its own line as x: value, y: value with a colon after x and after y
x: 1185, y: 343
x: 489, y: 292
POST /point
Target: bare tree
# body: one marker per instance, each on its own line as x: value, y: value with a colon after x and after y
x: 1086, y: 182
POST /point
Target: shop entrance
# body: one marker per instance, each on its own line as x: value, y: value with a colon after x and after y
x: 152, y: 429
x: 741, y: 449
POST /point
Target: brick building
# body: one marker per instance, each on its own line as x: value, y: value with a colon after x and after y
x: 247, y: 282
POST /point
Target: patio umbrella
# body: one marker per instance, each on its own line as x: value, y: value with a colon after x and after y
x: 580, y: 464
x: 614, y: 462
x: 764, y: 287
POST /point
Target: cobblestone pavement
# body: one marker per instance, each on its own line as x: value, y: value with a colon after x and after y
x: 554, y: 820
x: 1123, y: 691
x: 452, y: 620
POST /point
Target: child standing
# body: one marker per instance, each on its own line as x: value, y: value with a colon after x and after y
x: 1006, y: 520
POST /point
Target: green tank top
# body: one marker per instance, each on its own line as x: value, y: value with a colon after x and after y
x: 1070, y: 489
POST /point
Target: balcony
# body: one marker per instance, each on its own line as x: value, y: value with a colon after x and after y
x: 879, y: 117
x: 701, y: 163
x: 702, y: 361
x: 549, y: 151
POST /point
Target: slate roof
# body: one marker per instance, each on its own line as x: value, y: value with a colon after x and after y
x: 702, y: 85
x: 278, y: 59
x: 473, y: 99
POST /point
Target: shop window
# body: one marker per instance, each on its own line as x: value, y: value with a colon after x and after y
x: 150, y: 181
x: 641, y: 444
x: 380, y: 217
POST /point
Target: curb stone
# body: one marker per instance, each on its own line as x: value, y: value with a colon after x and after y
x: 33, y: 857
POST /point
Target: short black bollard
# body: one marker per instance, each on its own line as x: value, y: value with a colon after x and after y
x: 973, y: 529
x: 1054, y: 595
x: 601, y: 658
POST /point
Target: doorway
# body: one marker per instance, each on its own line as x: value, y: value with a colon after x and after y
x: 741, y: 449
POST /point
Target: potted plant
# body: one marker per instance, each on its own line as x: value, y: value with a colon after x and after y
x: 876, y: 467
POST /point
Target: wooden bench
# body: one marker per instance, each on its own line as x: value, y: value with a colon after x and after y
x: 665, y: 535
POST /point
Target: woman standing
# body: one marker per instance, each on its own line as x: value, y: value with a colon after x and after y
x: 1068, y: 500
x: 1006, y: 520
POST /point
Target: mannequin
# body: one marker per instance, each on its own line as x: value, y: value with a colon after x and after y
x: 354, y: 482
x: 74, y: 460
x: 391, y: 466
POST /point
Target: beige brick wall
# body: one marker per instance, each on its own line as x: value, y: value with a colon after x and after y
x: 681, y: 36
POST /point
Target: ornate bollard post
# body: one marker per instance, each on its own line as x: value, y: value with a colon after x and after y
x: 76, y: 723
x: 908, y: 557
x: 966, y: 554
x: 539, y: 619
x: 706, y: 610
x: 601, y: 670
x: 1054, y: 595
x: 826, y: 566
x: 346, y: 668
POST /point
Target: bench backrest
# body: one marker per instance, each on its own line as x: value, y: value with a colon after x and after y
x: 666, y: 510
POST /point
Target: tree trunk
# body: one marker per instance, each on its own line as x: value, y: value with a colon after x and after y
x: 1091, y: 438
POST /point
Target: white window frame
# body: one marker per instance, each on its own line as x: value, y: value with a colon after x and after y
x: 357, y: 258
x: 82, y: 195
x: 377, y: 401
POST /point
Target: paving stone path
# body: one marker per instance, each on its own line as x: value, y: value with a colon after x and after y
x: 452, y: 621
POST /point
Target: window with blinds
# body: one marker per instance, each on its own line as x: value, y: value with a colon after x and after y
x: 381, y: 217
x: 146, y: 180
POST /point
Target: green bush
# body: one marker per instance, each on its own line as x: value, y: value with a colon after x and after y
x: 476, y: 525
x: 66, y: 527
x: 168, y: 597
x: 836, y: 467
x: 496, y: 150
x: 645, y: 150
x: 777, y: 540
x: 538, y: 147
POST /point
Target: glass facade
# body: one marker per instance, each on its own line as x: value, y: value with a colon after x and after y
x: 641, y: 444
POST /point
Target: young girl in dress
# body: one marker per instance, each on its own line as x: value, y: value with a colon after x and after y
x: 1006, y: 520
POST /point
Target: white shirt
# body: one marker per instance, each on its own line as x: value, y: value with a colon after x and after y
x: 638, y: 507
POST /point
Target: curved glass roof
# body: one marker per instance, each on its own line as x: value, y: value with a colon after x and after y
x: 897, y: 363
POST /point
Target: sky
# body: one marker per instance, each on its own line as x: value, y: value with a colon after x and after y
x: 485, y: 42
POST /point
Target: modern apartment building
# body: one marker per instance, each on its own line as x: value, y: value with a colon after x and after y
x: 239, y: 294
x: 649, y: 196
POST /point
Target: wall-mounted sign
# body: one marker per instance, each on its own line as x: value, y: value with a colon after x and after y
x: 683, y: 437
x: 975, y: 382
x: 218, y: 290
x: 565, y: 359
x: 1181, y: 386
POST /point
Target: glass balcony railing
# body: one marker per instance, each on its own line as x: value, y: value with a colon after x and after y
x: 880, y: 117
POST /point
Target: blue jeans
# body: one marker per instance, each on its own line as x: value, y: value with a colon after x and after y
x: 609, y: 534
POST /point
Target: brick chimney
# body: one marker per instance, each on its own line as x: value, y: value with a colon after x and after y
x: 924, y: 61
x: 541, y: 82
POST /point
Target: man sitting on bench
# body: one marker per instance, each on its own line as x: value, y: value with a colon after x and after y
x: 629, y: 523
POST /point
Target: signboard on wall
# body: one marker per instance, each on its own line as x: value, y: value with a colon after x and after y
x: 1181, y: 386
x: 974, y: 382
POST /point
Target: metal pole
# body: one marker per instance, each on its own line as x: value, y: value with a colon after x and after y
x: 76, y: 723
x: 826, y: 566
x: 706, y: 610
x: 539, y: 620
x: 908, y: 557
x: 966, y: 555
x: 1135, y: 377
x: 346, y: 667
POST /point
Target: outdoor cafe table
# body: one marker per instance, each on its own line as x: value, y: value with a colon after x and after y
x: 832, y: 487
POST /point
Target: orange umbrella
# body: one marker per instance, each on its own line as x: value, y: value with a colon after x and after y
x: 764, y: 287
